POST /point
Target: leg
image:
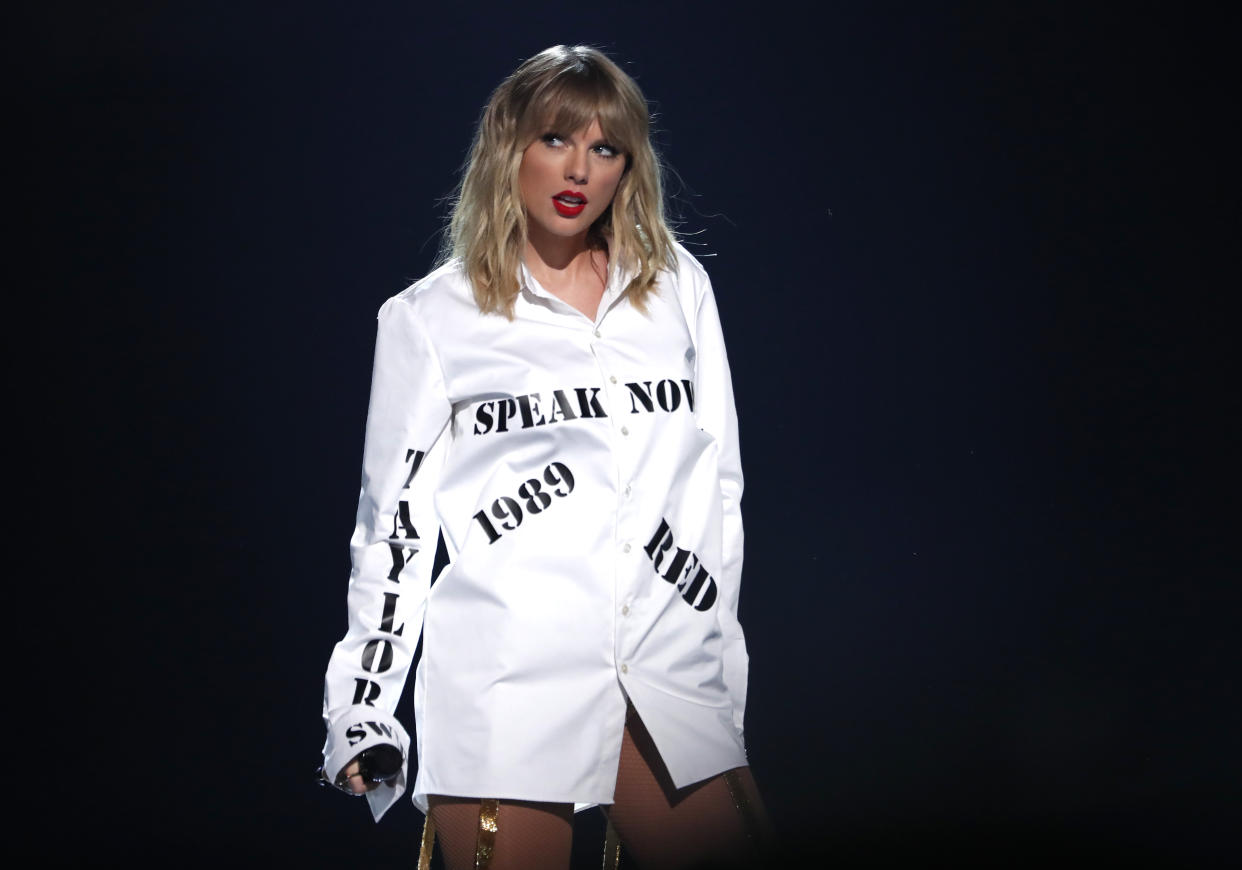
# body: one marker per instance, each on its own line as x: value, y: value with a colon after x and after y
x: 718, y: 822
x: 528, y: 835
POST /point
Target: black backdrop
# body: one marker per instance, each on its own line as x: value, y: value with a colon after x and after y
x: 968, y: 262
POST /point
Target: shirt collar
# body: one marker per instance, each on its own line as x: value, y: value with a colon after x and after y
x: 618, y: 280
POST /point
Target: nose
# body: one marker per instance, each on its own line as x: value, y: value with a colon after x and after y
x: 576, y: 169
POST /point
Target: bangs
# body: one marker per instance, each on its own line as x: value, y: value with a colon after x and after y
x: 573, y: 100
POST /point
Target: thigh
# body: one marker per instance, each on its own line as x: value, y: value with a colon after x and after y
x: 528, y: 835
x: 715, y: 822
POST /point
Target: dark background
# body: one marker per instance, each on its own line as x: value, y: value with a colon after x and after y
x: 972, y: 264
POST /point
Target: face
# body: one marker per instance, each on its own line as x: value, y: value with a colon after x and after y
x: 568, y: 178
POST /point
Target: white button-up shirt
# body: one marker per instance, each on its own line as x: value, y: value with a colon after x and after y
x: 586, y: 479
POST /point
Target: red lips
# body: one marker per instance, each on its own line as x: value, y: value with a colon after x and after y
x: 569, y: 203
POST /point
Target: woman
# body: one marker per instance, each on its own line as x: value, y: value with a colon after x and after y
x: 555, y: 400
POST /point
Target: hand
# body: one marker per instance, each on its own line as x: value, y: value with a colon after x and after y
x: 367, y: 770
x: 356, y: 782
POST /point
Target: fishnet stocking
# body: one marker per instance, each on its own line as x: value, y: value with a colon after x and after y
x: 661, y: 827
x: 529, y: 835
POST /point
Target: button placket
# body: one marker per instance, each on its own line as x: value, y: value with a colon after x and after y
x: 623, y: 468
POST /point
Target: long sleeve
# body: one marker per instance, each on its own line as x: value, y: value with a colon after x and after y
x: 392, y: 548
x: 716, y: 414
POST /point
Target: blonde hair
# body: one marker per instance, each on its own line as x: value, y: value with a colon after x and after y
x: 563, y: 89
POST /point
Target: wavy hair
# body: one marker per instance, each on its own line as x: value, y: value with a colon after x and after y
x: 561, y: 88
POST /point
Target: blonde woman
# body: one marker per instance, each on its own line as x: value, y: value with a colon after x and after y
x: 555, y: 401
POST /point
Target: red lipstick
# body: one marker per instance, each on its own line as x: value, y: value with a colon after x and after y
x: 569, y: 203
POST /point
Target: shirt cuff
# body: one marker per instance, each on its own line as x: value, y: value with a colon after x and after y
x: 358, y: 728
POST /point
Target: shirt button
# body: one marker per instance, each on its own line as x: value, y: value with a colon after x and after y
x: 625, y: 669
x: 612, y: 378
x: 625, y: 431
x: 625, y: 610
x: 597, y: 333
x: 627, y: 489
x: 626, y: 548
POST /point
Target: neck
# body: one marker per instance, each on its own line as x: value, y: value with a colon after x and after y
x: 548, y: 254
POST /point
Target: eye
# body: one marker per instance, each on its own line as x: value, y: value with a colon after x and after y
x: 605, y: 150
x: 552, y: 139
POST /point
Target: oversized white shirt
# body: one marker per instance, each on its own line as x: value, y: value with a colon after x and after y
x: 586, y: 478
